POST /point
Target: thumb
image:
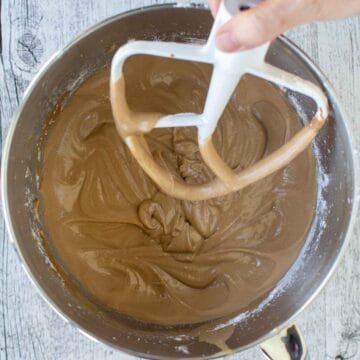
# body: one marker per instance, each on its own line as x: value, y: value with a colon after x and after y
x: 260, y: 24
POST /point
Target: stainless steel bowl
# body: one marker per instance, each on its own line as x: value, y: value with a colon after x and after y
x: 317, y: 261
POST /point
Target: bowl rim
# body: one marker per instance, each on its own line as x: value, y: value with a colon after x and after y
x: 36, y: 81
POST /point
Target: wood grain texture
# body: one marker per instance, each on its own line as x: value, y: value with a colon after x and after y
x: 32, y: 30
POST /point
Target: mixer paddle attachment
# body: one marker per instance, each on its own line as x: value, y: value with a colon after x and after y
x: 228, y: 68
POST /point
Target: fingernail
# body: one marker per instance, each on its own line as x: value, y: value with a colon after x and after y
x: 226, y: 41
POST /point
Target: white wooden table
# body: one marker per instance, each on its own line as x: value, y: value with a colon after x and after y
x: 31, y: 31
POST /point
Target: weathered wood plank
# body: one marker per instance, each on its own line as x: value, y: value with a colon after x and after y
x: 32, y: 30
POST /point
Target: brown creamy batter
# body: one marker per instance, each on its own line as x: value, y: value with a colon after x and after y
x: 157, y: 258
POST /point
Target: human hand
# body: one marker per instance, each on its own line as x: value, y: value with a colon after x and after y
x: 270, y: 18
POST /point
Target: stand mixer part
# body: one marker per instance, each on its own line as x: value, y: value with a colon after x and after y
x: 228, y: 68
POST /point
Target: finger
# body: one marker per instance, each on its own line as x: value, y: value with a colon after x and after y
x: 214, y: 6
x: 262, y: 23
x: 337, y: 9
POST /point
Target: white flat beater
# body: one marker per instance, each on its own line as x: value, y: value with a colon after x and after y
x: 228, y: 68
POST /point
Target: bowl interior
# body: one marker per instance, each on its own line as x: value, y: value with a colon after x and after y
x: 94, y: 49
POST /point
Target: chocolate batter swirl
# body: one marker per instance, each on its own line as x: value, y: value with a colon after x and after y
x: 160, y: 259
